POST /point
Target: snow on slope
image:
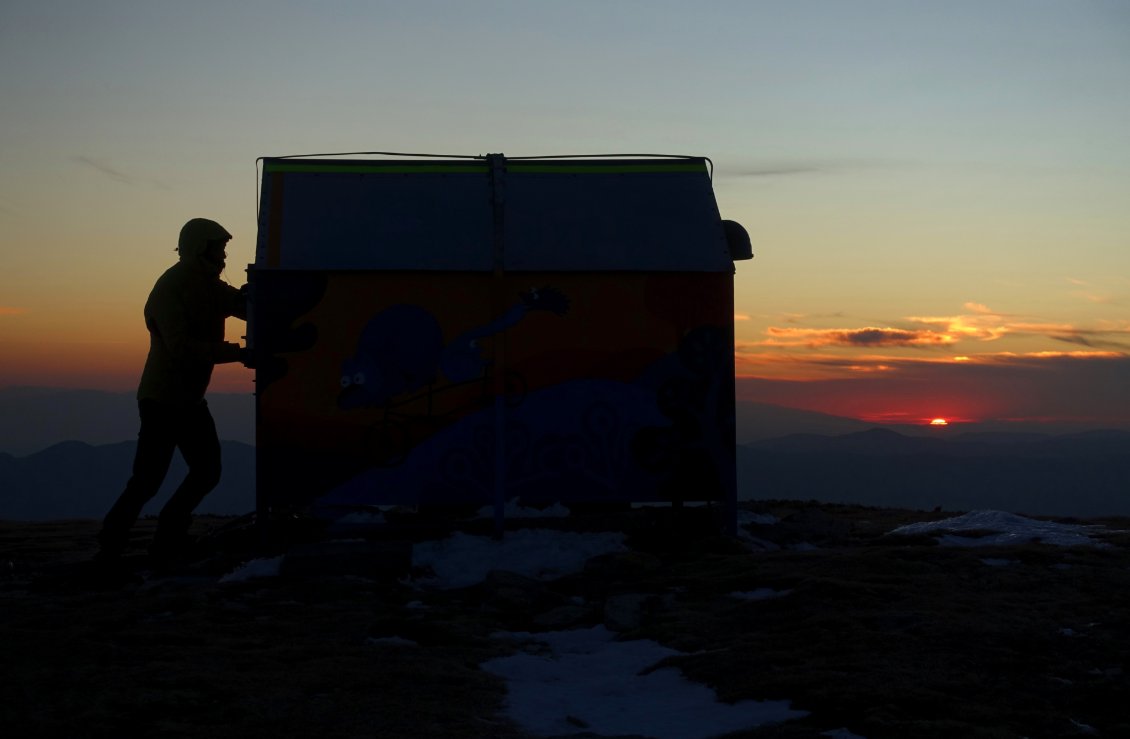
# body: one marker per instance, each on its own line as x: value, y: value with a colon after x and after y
x: 463, y: 560
x: 589, y: 681
x: 1006, y: 528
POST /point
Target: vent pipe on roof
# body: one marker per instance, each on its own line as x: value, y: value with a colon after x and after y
x: 738, y: 241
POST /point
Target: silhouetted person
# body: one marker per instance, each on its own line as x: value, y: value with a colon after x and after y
x: 185, y: 316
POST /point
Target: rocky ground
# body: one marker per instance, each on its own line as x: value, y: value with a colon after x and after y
x: 887, y: 636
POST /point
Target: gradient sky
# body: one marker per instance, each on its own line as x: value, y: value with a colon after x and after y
x: 938, y: 193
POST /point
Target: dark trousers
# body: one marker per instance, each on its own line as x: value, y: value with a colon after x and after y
x: 165, y: 428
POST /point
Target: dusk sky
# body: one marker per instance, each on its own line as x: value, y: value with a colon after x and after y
x: 938, y: 193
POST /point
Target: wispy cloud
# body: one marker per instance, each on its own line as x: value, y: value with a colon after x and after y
x: 1113, y: 292
x: 868, y: 336
x: 793, y: 167
x: 771, y: 170
x: 981, y: 324
x: 755, y: 359
x: 1096, y: 339
x: 115, y: 174
x: 100, y: 166
x: 809, y: 353
x: 984, y: 324
x: 1066, y: 385
x: 938, y: 364
x: 798, y: 318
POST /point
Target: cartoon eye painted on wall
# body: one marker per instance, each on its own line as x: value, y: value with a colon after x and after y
x: 346, y: 381
x: 546, y: 298
x: 359, y: 378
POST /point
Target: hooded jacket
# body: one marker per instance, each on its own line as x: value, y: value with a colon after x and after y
x: 185, y: 316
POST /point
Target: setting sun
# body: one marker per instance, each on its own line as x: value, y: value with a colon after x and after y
x: 939, y: 422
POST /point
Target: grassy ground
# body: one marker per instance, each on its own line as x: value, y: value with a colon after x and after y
x: 887, y: 636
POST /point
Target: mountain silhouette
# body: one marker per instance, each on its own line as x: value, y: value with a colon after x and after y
x: 77, y: 480
x: 837, y: 460
x: 34, y: 418
x: 1082, y: 474
x: 885, y: 442
x: 876, y: 441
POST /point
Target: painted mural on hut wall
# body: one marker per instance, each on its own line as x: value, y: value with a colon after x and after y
x: 381, y: 388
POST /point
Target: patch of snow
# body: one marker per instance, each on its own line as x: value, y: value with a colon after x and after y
x: 761, y: 594
x: 1009, y: 528
x: 749, y: 518
x: 416, y: 605
x: 463, y: 560
x: 254, y: 569
x: 997, y: 561
x: 1108, y: 672
x: 753, y: 541
x: 803, y: 546
x: 746, y: 518
x: 515, y: 510
x: 592, y: 681
x: 390, y: 641
x: 365, y: 518
x: 841, y: 734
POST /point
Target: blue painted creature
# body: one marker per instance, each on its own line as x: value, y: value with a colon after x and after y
x: 398, y: 352
x: 462, y: 360
x: 401, y: 350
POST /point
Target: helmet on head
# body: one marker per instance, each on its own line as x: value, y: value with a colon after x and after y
x: 196, y: 235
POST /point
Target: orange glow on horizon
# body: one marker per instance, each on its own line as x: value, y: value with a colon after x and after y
x: 939, y: 422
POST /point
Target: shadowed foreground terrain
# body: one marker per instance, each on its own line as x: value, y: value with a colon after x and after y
x: 887, y: 636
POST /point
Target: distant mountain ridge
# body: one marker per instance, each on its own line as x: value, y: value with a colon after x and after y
x: 764, y: 421
x: 756, y: 421
x: 817, y: 457
x: 76, y: 480
x: 1083, y: 474
x: 35, y: 418
x: 884, y: 442
x: 1070, y: 475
